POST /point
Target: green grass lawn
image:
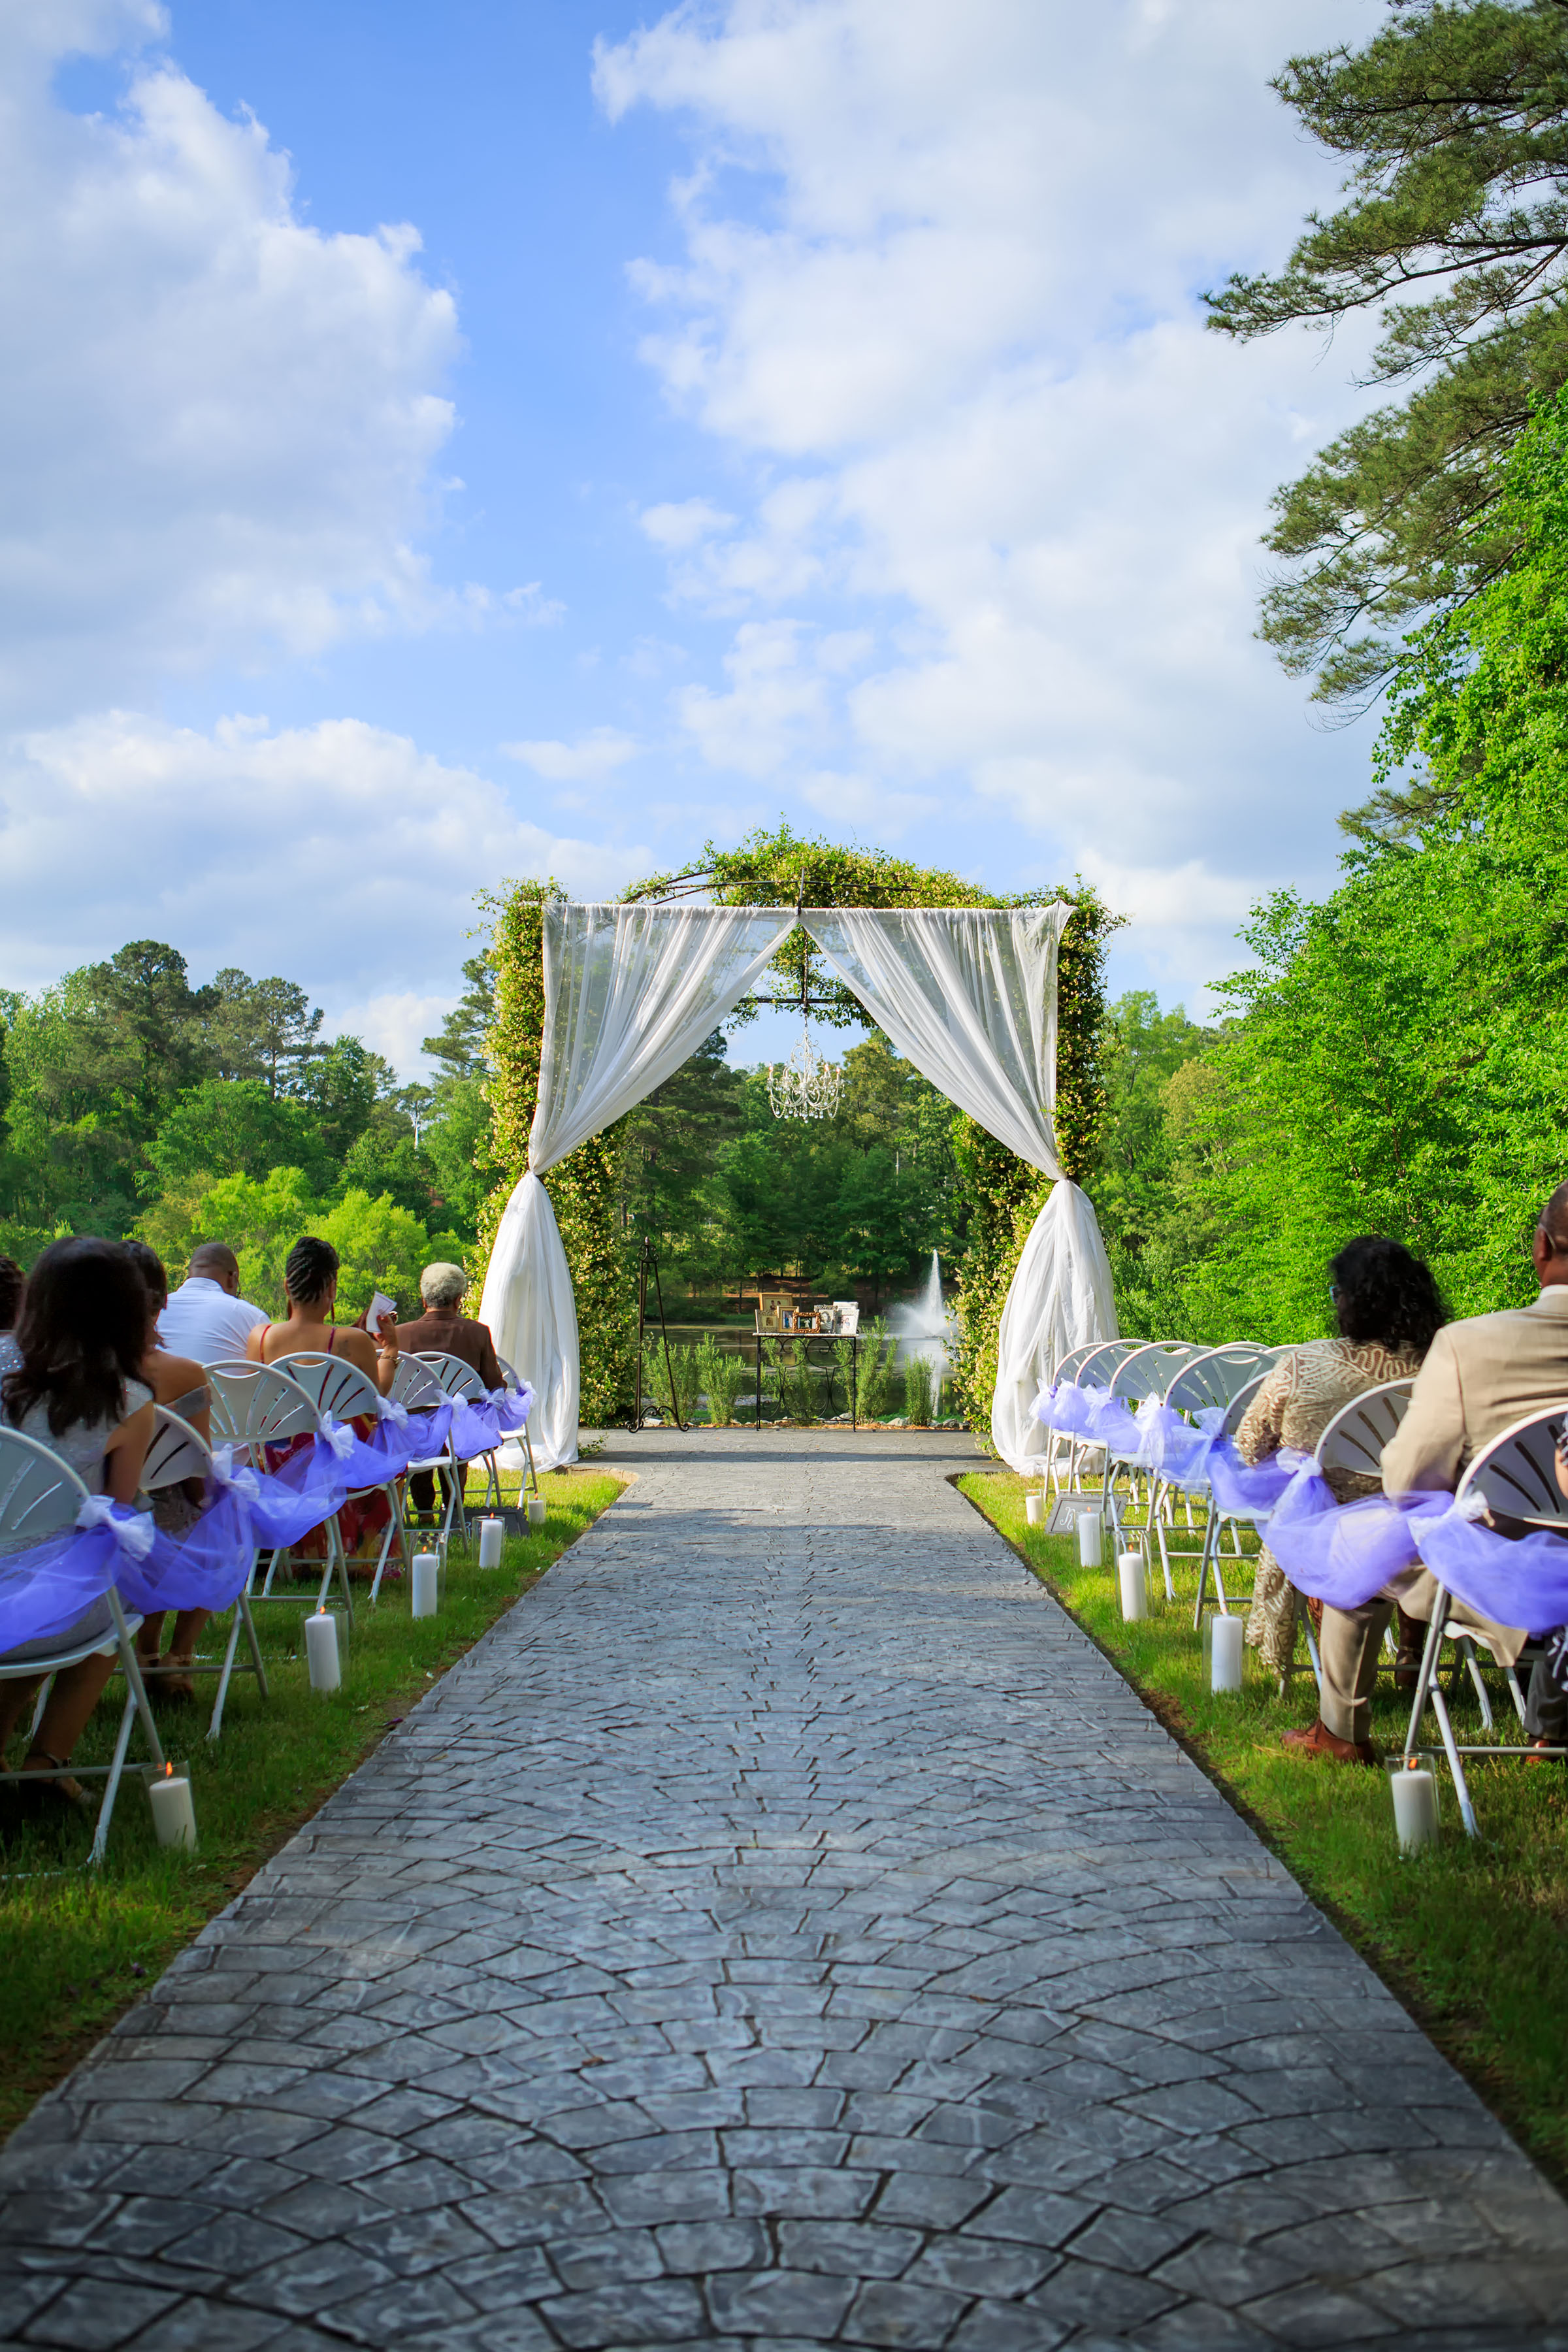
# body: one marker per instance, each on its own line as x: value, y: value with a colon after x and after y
x: 76, y: 1946
x: 1471, y: 1936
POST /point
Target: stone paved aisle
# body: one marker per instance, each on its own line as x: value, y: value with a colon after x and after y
x: 784, y: 1931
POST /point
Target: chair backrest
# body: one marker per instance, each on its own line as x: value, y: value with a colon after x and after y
x: 1235, y: 1406
x: 335, y: 1387
x: 1517, y: 1472
x: 255, y: 1404
x: 457, y: 1378
x: 176, y: 1451
x: 1149, y: 1369
x: 40, y: 1494
x: 509, y: 1374
x: 1358, y: 1432
x: 1067, y: 1369
x: 414, y: 1384
x: 1214, y: 1375
x: 1101, y: 1363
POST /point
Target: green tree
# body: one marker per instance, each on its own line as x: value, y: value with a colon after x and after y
x: 1455, y: 121
x: 235, y: 1126
x: 264, y: 1029
x: 461, y: 1046
x: 669, y: 1145
x: 341, y: 1088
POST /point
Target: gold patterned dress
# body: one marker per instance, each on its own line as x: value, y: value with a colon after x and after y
x: 1300, y: 1397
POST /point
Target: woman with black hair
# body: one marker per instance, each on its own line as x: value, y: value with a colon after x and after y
x: 311, y: 1286
x: 77, y: 1388
x: 1388, y: 1310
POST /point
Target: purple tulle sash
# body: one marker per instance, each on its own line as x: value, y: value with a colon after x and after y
x: 1344, y: 1555
x: 1250, y: 1490
x: 1068, y: 1409
x: 1523, y: 1583
x: 45, y: 1589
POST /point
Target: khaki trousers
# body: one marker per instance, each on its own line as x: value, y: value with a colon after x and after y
x: 1352, y: 1638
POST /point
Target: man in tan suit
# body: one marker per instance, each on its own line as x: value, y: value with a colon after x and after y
x: 1481, y: 1376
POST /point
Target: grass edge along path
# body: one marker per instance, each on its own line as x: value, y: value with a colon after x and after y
x: 1472, y: 1937
x: 78, y: 1948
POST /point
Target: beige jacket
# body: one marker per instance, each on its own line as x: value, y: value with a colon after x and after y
x: 1479, y: 1377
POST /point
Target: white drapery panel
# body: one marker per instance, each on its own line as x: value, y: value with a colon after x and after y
x: 630, y: 992
x: 970, y: 995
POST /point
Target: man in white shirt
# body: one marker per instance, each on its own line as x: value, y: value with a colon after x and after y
x: 206, y: 1318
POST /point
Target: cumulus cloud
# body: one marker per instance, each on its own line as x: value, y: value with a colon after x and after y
x: 939, y: 293
x: 682, y: 524
x: 217, y: 422
x: 596, y: 754
x: 339, y: 849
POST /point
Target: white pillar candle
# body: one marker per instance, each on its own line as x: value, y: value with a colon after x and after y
x: 491, y: 1536
x: 1415, y: 1809
x: 1088, y: 1539
x: 536, y: 1510
x: 1133, y: 1579
x: 321, y: 1651
x: 425, y: 1588
x: 1225, y: 1654
x: 1035, y: 1509
x: 173, y: 1815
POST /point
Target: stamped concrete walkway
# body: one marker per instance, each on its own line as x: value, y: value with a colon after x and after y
x: 784, y: 1931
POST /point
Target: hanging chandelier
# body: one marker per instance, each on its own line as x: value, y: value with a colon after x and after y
x: 805, y: 1087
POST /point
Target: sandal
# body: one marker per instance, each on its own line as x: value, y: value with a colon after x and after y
x: 41, y: 1796
x: 167, y: 1682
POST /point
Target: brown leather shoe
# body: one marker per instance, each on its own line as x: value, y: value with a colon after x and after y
x: 1321, y: 1742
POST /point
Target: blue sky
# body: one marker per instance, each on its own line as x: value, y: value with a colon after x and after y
x: 795, y: 408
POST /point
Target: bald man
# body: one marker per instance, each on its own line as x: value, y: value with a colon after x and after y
x: 206, y: 1318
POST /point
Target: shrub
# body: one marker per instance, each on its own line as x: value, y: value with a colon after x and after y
x: 721, y: 1374
x: 921, y: 1386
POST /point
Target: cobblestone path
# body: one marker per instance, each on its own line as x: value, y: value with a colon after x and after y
x: 784, y: 1931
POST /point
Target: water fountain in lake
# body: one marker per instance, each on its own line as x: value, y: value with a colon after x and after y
x: 923, y: 1326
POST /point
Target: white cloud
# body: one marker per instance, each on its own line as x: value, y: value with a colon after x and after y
x: 397, y: 1024
x: 939, y: 293
x: 593, y: 755
x: 217, y: 422
x: 338, y: 853
x: 683, y: 524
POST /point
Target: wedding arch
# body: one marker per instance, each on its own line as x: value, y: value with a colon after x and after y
x: 967, y: 994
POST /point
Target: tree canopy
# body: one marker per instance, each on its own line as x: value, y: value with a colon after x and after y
x: 1454, y: 227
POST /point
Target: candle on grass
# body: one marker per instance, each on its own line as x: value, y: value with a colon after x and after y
x: 173, y: 1815
x: 492, y: 1534
x: 321, y: 1651
x: 1225, y: 1654
x: 1414, y: 1809
x: 1132, y: 1575
x: 536, y: 1510
x: 1088, y: 1539
x: 425, y: 1588
x: 1035, y: 1509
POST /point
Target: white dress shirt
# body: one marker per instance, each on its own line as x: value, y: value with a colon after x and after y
x: 201, y: 1320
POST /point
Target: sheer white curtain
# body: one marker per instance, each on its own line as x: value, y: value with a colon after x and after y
x: 970, y: 995
x: 629, y: 995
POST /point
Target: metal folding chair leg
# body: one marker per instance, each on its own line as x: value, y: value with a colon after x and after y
x: 1426, y: 1688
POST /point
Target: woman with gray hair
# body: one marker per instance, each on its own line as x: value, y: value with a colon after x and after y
x: 443, y: 1330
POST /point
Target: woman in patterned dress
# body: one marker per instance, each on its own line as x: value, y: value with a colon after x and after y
x: 1388, y: 1310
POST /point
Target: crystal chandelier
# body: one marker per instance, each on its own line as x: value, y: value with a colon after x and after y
x: 804, y: 1086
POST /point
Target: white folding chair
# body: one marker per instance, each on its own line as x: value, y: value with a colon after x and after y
x: 1061, y: 1448
x: 1096, y: 1370
x: 460, y: 1380
x: 179, y: 1452
x: 1147, y: 1371
x: 1210, y: 1379
x: 40, y: 1496
x: 1353, y: 1441
x: 1218, y: 1521
x: 1517, y: 1475
x: 252, y: 1406
x: 341, y: 1391
x: 415, y: 1385
x: 514, y: 1382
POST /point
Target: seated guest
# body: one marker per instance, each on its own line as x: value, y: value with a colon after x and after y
x: 311, y: 1286
x: 1387, y: 1307
x: 441, y: 1330
x: 13, y: 1283
x: 207, y: 1319
x: 1481, y: 1376
x: 77, y: 1388
x: 180, y: 1383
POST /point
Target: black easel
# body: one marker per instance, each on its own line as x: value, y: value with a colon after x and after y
x: 650, y: 1260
